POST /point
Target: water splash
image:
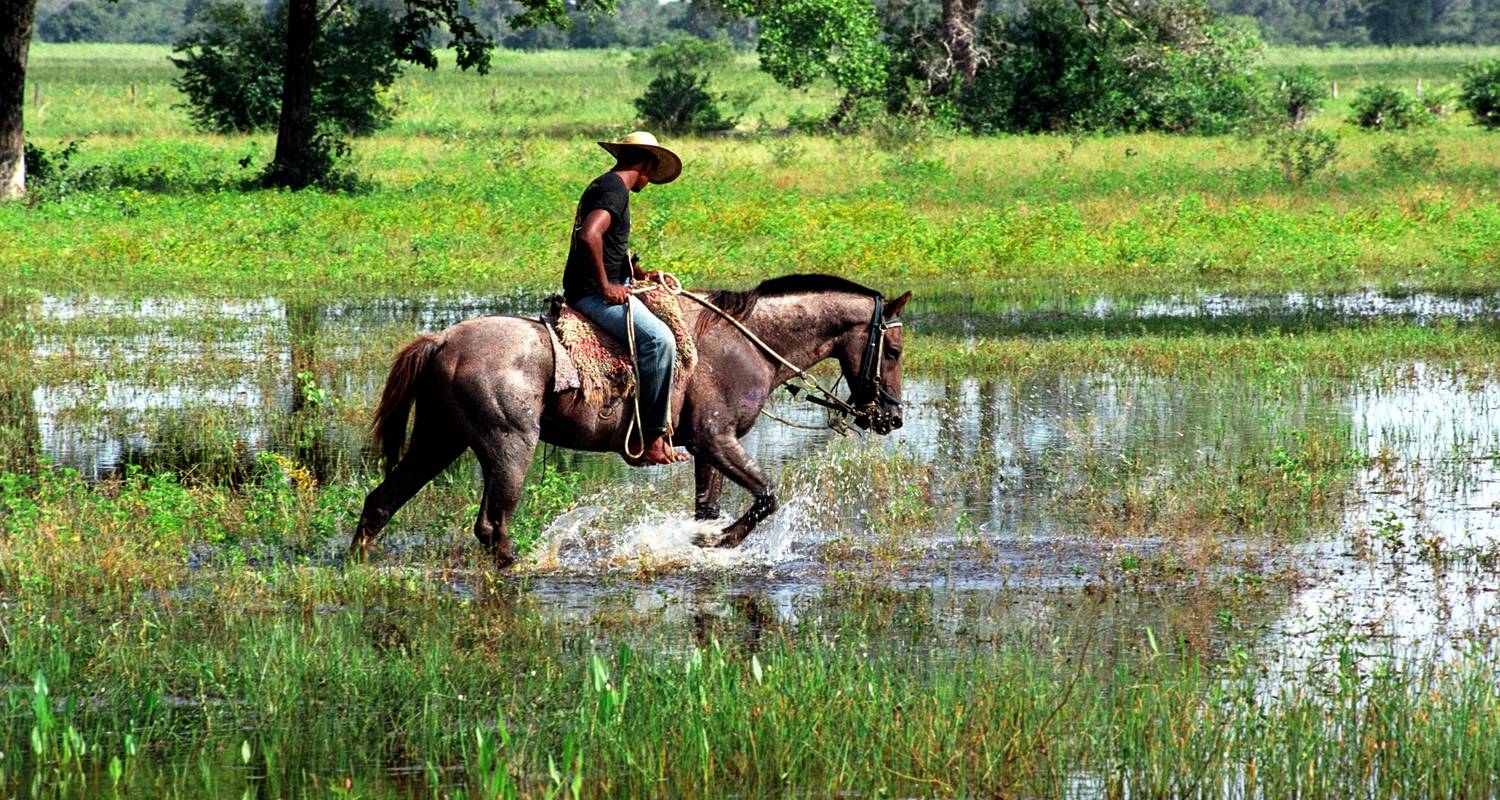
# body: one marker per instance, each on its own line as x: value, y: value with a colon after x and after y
x: 586, y: 539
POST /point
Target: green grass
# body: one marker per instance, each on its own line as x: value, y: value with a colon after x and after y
x: 308, y: 683
x: 473, y: 190
x: 196, y: 638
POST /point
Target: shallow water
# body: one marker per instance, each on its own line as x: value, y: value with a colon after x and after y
x: 982, y: 493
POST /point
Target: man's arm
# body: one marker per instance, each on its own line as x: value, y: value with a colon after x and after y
x: 592, y: 234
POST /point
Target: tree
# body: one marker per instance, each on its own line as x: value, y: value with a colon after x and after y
x: 299, y: 161
x: 16, y: 17
x: 804, y: 40
x: 960, y: 37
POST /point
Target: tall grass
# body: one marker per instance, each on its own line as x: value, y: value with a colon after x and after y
x: 382, y: 686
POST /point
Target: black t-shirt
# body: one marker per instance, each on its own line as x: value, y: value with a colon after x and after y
x: 608, y: 192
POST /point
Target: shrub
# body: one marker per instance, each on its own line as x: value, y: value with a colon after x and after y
x: 52, y: 175
x: 232, y: 78
x: 1416, y: 158
x: 1385, y: 107
x: 322, y: 168
x: 678, y: 102
x: 688, y: 54
x: 1480, y: 92
x: 1301, y: 154
x: 1298, y: 93
x: 678, y: 99
x: 1050, y: 70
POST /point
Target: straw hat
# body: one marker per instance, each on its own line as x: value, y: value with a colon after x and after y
x: 669, y: 167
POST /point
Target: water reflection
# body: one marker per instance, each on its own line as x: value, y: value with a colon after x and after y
x: 197, y: 385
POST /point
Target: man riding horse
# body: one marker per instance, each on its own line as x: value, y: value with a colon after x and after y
x: 489, y: 384
x: 596, y: 280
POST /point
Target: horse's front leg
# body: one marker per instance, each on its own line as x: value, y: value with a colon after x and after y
x: 725, y: 454
x: 710, y: 484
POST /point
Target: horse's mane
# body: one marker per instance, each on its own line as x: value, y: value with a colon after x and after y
x: 739, y: 304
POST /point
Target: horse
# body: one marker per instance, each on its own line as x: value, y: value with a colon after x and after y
x: 486, y: 384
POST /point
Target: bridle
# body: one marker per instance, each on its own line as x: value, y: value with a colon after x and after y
x: 868, y: 392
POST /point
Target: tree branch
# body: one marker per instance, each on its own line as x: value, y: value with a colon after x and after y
x: 328, y: 12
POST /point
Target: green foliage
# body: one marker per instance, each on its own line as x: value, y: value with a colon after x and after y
x: 1109, y: 219
x: 1300, y: 154
x: 1418, y: 157
x: 678, y: 99
x: 679, y: 102
x: 1383, y: 106
x: 324, y: 166
x: 50, y: 174
x: 232, y: 80
x: 153, y: 21
x: 686, y: 54
x: 1299, y: 92
x: 1480, y: 92
x: 1050, y: 71
x: 804, y: 40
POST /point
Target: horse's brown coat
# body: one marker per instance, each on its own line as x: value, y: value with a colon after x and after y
x: 485, y: 384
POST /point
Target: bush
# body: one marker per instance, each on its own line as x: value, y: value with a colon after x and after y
x: 678, y: 99
x: 1298, y: 93
x: 52, y: 175
x: 688, y: 54
x: 1299, y: 155
x: 1480, y: 92
x: 1416, y: 158
x: 678, y: 102
x: 1386, y: 107
x: 231, y: 71
x: 1050, y: 71
x: 322, y: 168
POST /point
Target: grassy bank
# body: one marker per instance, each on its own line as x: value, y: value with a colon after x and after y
x: 473, y: 188
x: 362, y: 684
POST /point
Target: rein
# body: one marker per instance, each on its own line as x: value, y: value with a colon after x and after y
x: 870, y: 365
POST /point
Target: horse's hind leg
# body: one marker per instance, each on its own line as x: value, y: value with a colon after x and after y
x: 504, y: 457
x: 432, y: 449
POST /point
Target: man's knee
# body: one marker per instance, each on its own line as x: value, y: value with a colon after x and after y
x: 662, y: 357
x: 658, y: 345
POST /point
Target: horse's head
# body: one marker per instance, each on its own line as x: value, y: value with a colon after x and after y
x: 872, y: 364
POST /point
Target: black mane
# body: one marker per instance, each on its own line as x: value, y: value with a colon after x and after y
x: 739, y: 304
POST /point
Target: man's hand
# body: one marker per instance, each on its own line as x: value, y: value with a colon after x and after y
x: 615, y: 294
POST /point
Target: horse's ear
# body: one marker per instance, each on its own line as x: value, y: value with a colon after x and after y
x: 893, y: 308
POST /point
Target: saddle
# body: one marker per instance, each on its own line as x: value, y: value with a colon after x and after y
x: 588, y: 358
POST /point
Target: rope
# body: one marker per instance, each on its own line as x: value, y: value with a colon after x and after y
x: 635, y: 423
x: 635, y: 396
x: 671, y: 284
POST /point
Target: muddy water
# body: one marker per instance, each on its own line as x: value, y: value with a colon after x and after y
x: 991, y: 491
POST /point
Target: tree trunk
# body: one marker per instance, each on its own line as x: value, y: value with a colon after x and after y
x: 15, y: 39
x: 295, y: 133
x: 959, y: 36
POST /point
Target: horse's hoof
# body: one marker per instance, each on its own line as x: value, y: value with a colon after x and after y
x: 360, y: 550
x: 707, y: 539
x: 503, y: 557
x: 725, y: 538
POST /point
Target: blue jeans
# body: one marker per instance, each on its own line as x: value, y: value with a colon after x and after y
x: 656, y: 350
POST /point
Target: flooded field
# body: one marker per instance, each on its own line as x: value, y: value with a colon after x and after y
x: 1270, y: 515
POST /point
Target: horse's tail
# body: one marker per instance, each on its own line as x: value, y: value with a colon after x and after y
x: 395, y: 401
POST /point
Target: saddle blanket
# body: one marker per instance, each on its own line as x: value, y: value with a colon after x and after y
x: 596, y: 360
